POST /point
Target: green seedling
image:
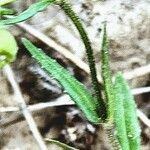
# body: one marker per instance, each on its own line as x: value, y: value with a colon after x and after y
x: 130, y: 134
x: 8, y: 47
x: 117, y: 111
x: 5, y: 11
x: 122, y: 124
x: 107, y: 77
x: 35, y: 8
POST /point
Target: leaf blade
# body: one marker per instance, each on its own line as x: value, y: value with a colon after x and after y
x: 90, y: 56
x: 131, y: 121
x: 30, y: 12
x: 107, y: 77
x: 75, y: 89
x: 8, y: 47
x: 119, y: 114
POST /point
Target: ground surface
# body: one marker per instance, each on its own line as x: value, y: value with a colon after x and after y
x: 128, y: 25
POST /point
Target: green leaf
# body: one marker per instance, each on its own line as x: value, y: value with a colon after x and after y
x: 8, y: 47
x: 31, y: 11
x: 130, y: 116
x: 89, y: 51
x: 5, y: 11
x: 62, y: 145
x: 75, y: 89
x: 119, y: 115
x: 107, y: 77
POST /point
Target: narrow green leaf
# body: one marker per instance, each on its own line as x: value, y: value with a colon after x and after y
x: 31, y: 11
x: 107, y: 77
x: 5, y: 11
x: 131, y: 121
x: 97, y: 88
x: 4, y: 2
x: 119, y: 115
x: 60, y: 144
x: 8, y: 47
x: 75, y: 89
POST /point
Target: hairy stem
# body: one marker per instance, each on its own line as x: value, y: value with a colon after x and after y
x: 72, y: 15
x: 110, y: 131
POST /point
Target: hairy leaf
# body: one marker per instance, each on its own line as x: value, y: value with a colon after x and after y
x: 31, y: 11
x: 107, y: 77
x: 119, y: 115
x: 130, y: 116
x: 97, y: 88
x: 75, y: 89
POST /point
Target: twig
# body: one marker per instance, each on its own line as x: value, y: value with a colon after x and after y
x: 143, y: 118
x: 63, y: 100
x: 51, y: 43
x: 137, y: 72
x: 20, y: 100
x: 141, y: 90
x: 35, y: 109
x: 8, y: 109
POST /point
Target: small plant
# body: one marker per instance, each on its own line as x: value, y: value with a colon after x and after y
x: 8, y: 47
x: 116, y: 111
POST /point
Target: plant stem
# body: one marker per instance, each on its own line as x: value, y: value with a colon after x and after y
x: 97, y: 89
x: 110, y: 131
